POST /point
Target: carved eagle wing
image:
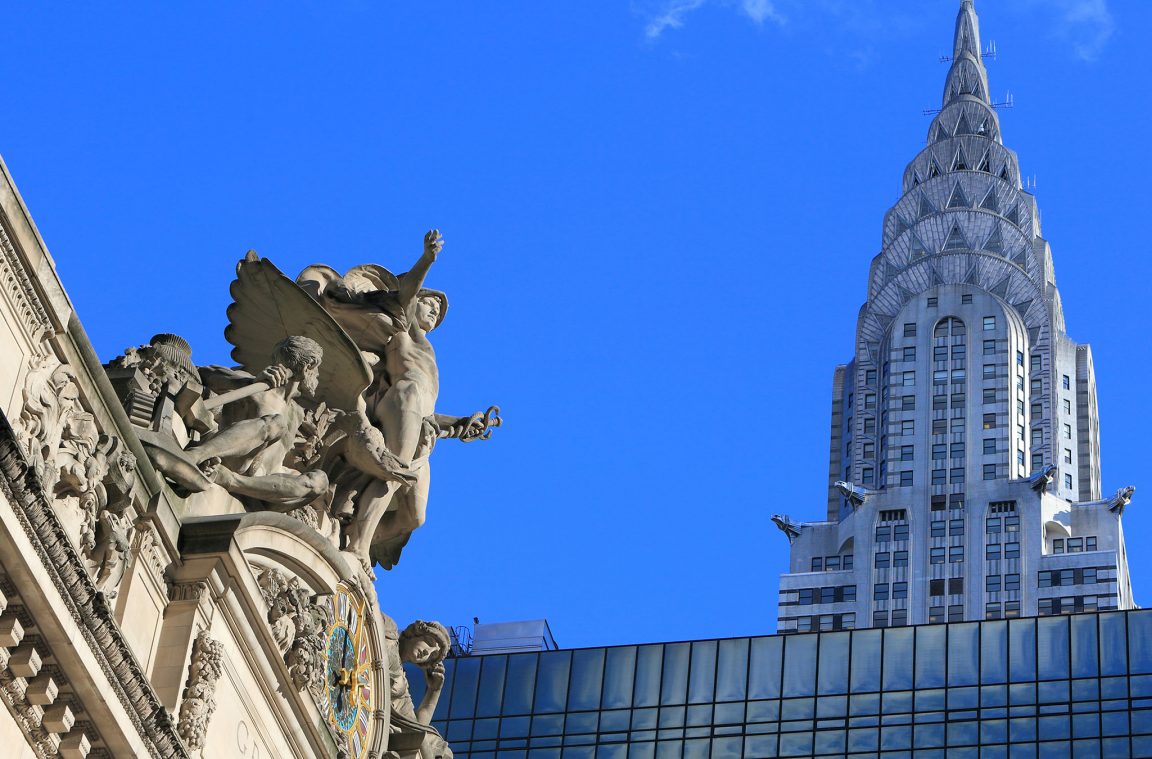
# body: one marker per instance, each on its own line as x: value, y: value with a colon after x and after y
x: 268, y: 307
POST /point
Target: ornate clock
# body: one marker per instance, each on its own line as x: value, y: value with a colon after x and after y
x: 351, y: 699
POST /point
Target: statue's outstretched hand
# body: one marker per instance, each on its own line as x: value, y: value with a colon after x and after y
x: 433, y: 243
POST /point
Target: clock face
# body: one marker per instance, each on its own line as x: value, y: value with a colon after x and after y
x: 349, y: 672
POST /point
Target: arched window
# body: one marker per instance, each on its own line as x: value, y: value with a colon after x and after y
x: 949, y: 326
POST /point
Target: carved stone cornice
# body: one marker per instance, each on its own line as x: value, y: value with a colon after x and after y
x: 87, y: 606
x: 22, y: 292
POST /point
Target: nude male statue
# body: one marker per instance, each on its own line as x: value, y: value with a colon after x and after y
x: 391, y: 317
x: 247, y: 455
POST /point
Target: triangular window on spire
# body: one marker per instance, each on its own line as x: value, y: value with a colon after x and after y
x: 915, y: 179
x: 957, y: 199
x: 991, y: 202
x: 994, y: 243
x: 1013, y: 215
x: 899, y: 226
x: 955, y: 239
x: 1004, y: 173
x: 926, y: 208
x: 985, y: 164
x: 983, y: 128
x: 962, y: 126
x: 978, y: 90
x: 918, y: 249
x: 960, y: 163
x: 942, y: 132
x: 933, y: 169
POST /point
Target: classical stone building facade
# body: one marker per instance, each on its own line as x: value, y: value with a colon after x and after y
x: 964, y: 468
x: 187, y: 552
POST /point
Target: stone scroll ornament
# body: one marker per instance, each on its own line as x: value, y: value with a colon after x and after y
x: 331, y: 410
x: 199, y: 699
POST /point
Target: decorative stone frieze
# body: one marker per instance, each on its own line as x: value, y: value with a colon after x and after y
x: 199, y: 700
x: 23, y: 488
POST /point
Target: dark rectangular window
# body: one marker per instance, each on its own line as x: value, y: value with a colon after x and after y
x: 955, y: 554
x: 935, y: 615
x: 936, y: 556
x: 817, y: 564
x: 1011, y: 550
x: 939, y: 426
x: 1011, y: 582
x: 907, y: 403
x: 989, y: 347
x: 992, y: 611
x: 883, y: 534
x: 935, y: 587
x: 909, y: 329
x: 906, y: 478
x: 1066, y: 382
x: 956, y: 527
x: 956, y: 474
x: 907, y: 453
x: 989, y: 421
x: 993, y: 526
x: 899, y: 532
x: 899, y: 617
x: 899, y: 590
x: 956, y: 586
x: 966, y: 299
x: 992, y: 583
x: 910, y: 353
x: 832, y: 563
x: 989, y: 371
x: 880, y: 592
x: 989, y: 395
x: 883, y: 560
x: 989, y: 323
x: 992, y: 551
x: 1011, y: 609
x: 956, y: 613
x: 989, y: 471
x: 939, y: 476
x: 939, y: 452
x: 933, y: 302
x: 957, y: 451
x: 879, y: 619
x: 938, y: 529
x: 956, y: 501
x: 899, y: 558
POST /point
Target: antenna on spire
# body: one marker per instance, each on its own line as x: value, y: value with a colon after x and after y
x: 1030, y: 183
x: 1007, y: 102
x: 989, y: 53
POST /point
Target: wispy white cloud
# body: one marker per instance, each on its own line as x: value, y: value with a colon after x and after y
x: 761, y: 11
x: 1086, y: 24
x: 669, y: 14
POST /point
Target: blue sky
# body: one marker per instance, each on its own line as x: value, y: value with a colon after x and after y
x: 659, y: 218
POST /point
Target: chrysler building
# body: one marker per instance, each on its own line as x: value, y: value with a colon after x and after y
x: 964, y: 467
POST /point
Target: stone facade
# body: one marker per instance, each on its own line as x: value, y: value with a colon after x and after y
x: 964, y: 468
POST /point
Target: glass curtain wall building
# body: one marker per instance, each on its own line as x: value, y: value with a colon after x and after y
x: 1074, y: 685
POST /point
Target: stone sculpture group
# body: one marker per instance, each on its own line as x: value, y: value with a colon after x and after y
x: 329, y: 416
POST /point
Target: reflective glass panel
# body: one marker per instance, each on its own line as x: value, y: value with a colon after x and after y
x: 800, y: 665
x: 994, y: 652
x: 834, y: 649
x: 490, y: 698
x: 1140, y: 642
x: 587, y: 670
x: 963, y: 653
x: 899, y: 651
x: 732, y: 670
x: 701, y: 685
x: 1085, y: 646
x: 764, y: 679
x: 619, y: 671
x: 931, y: 648
x: 1052, y: 647
x: 1113, y: 644
x: 648, y: 662
x: 1022, y: 650
x: 865, y: 670
x: 464, y: 684
x: 520, y: 683
x: 552, y: 682
x: 675, y: 685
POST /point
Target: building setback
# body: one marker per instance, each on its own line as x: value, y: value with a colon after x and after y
x: 964, y: 472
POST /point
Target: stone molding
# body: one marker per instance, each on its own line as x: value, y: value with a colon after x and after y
x: 22, y: 292
x: 88, y: 608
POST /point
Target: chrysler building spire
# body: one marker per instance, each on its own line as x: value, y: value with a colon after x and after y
x: 965, y: 457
